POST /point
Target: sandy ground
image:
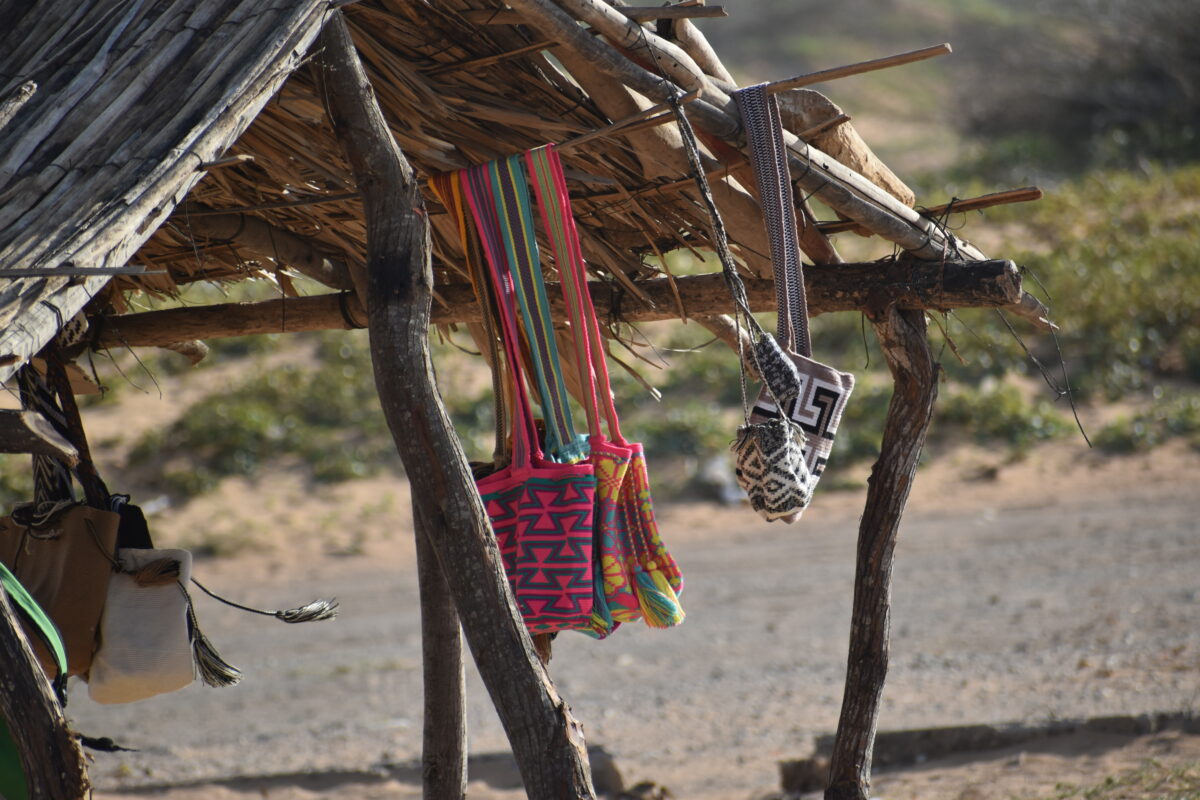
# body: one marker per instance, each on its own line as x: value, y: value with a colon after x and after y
x: 1061, y: 586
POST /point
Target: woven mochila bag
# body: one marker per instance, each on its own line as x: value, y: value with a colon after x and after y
x: 768, y: 455
x: 541, y: 511
x: 812, y: 396
x: 636, y: 577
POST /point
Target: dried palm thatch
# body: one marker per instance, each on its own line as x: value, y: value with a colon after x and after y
x: 190, y: 139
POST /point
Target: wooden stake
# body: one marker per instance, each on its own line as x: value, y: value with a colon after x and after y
x: 859, y: 68
x: 636, y: 13
x: 496, y: 58
x: 444, y: 748
x: 653, y: 114
x: 1022, y: 195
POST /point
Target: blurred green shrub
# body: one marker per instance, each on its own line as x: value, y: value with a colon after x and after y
x: 327, y: 418
x: 1172, y: 414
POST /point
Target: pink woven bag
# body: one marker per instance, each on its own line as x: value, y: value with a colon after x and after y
x: 636, y: 578
x: 541, y: 511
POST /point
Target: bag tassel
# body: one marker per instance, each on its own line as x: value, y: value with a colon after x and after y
x: 212, y: 669
x: 315, y: 611
x: 660, y: 605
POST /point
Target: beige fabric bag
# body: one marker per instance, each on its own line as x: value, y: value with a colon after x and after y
x: 144, y: 649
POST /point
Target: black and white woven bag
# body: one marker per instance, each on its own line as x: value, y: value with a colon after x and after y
x: 804, y: 403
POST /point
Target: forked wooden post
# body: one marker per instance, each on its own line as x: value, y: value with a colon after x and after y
x: 546, y: 740
x: 53, y: 763
x: 901, y: 336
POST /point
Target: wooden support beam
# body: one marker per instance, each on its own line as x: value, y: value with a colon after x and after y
x: 30, y: 432
x: 902, y: 337
x: 50, y: 755
x: 907, y: 283
x: 546, y: 740
x: 956, y: 206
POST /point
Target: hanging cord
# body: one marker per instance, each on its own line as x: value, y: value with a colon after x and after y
x: 741, y: 304
x: 315, y: 611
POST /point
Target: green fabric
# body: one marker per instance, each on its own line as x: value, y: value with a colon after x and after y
x: 12, y: 777
x: 45, y: 625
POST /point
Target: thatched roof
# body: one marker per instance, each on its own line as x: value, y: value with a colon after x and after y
x: 151, y: 117
x: 130, y: 100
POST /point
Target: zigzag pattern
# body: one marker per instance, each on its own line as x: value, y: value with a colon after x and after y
x: 817, y: 409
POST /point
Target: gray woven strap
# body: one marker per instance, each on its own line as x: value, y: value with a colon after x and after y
x: 768, y: 155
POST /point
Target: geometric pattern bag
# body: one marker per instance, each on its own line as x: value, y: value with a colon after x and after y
x: 769, y: 459
x: 636, y: 578
x: 814, y: 396
x: 541, y: 511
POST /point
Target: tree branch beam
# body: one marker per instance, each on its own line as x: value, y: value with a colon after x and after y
x: 907, y: 283
x: 902, y: 337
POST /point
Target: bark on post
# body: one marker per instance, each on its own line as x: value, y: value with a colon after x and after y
x: 444, y: 750
x: 50, y: 755
x: 901, y: 336
x: 546, y: 740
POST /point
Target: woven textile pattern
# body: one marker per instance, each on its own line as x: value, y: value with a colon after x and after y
x: 770, y: 466
x: 635, y: 575
x: 541, y: 512
x: 817, y: 409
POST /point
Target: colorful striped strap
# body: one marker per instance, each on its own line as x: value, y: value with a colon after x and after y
x: 554, y: 201
x: 510, y: 191
x: 448, y: 187
x: 477, y: 188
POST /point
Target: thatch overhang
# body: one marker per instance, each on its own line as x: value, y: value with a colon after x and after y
x: 131, y: 100
x: 190, y: 139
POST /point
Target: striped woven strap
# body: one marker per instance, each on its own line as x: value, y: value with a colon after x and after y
x: 510, y: 188
x: 477, y: 188
x: 764, y: 130
x: 550, y: 186
x: 448, y: 188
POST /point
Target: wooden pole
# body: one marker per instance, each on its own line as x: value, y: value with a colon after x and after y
x: 857, y: 69
x: 444, y: 750
x: 547, y: 741
x: 1022, y: 195
x: 908, y: 283
x: 901, y: 335
x: 50, y: 756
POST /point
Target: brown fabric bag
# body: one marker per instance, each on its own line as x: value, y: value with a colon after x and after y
x: 65, y: 561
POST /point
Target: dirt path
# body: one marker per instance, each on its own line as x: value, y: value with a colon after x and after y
x: 1063, y: 587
